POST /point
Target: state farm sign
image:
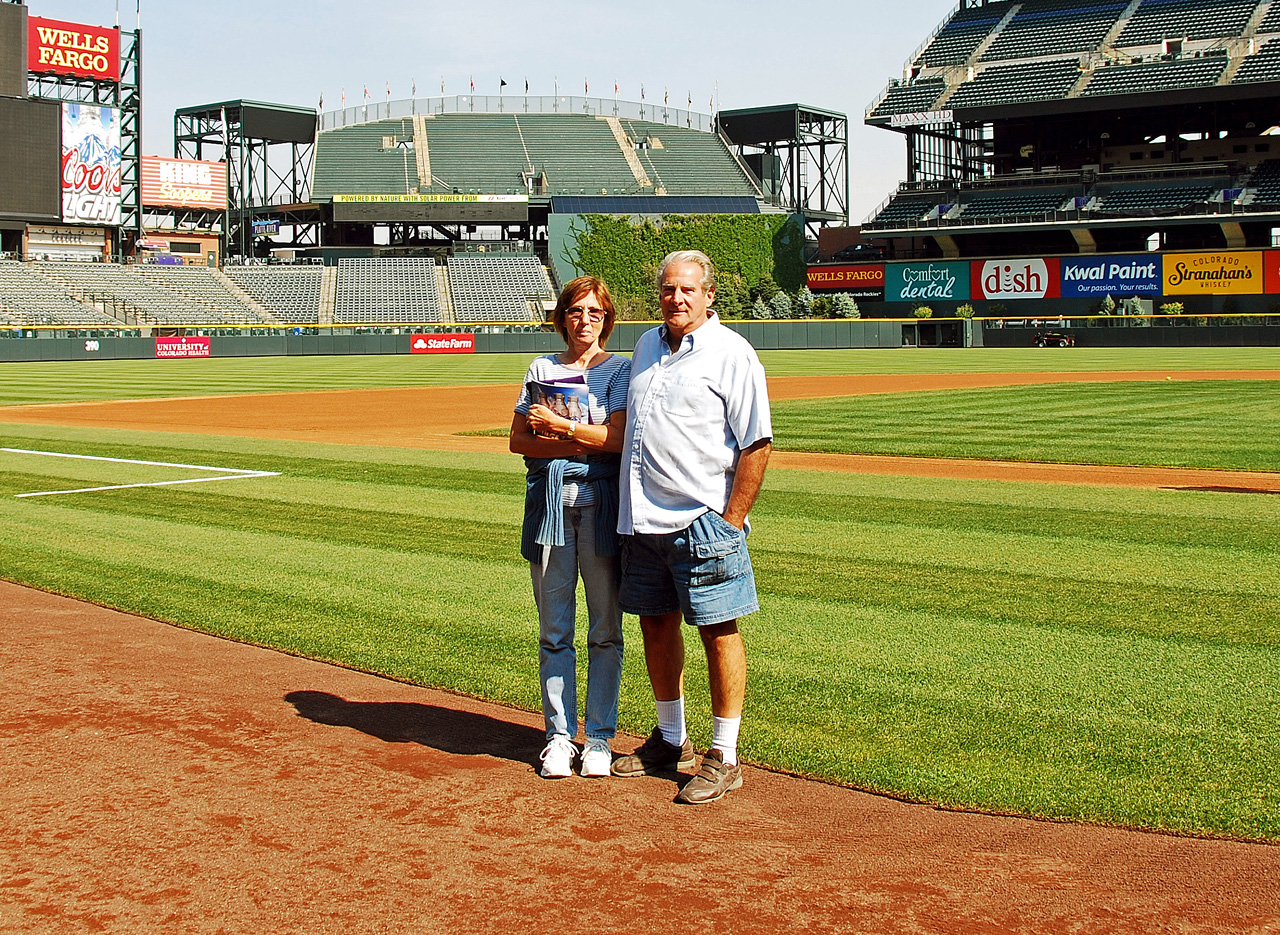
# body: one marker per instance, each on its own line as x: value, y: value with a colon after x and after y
x: 442, y: 344
x: 1016, y: 279
x: 58, y: 48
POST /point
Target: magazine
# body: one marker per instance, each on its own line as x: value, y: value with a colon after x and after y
x: 569, y: 398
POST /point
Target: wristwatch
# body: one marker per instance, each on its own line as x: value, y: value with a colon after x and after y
x: 573, y: 430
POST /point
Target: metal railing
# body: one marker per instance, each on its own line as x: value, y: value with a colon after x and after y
x: 516, y: 104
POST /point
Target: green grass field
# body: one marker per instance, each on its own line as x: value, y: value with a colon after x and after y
x: 1081, y: 653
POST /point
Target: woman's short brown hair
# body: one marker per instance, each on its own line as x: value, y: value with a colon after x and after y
x: 573, y: 292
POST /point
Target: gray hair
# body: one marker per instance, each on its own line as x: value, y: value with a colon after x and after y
x: 689, y: 256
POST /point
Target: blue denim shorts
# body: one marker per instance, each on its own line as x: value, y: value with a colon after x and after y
x: 703, y: 571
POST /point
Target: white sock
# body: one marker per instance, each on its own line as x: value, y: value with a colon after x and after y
x: 724, y: 737
x: 671, y: 721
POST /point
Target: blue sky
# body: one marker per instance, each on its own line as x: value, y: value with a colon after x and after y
x: 832, y: 55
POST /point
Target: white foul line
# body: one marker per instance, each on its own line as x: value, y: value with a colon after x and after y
x: 228, y: 473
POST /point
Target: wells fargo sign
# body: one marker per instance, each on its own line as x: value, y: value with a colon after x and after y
x: 862, y: 281
x: 58, y: 48
x: 1225, y: 273
x: 184, y: 183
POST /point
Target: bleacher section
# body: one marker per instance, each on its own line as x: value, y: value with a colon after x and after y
x: 28, y: 299
x: 1155, y: 20
x: 903, y: 211
x: 1012, y: 84
x: 496, y: 288
x: 1153, y: 199
x: 156, y: 295
x: 487, y: 154
x: 1263, y: 65
x: 387, y: 290
x: 962, y: 35
x: 1271, y: 21
x: 910, y: 98
x: 1156, y: 76
x: 1054, y: 27
x: 292, y: 293
x: 1015, y: 204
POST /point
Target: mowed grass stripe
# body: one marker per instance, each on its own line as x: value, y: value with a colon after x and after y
x: 1106, y: 655
x: 1206, y: 424
x: 69, y: 381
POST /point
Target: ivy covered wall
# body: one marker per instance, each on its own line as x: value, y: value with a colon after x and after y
x: 625, y: 251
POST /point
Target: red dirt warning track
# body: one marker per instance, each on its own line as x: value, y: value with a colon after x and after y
x: 158, y: 780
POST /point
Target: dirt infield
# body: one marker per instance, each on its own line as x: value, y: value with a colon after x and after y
x: 223, y: 788
x: 429, y: 417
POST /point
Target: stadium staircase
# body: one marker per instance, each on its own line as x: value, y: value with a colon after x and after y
x: 328, y: 295
x: 421, y: 151
x: 249, y: 301
x: 628, y: 151
x: 447, y: 308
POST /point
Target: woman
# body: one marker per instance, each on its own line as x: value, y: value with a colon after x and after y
x: 570, y: 522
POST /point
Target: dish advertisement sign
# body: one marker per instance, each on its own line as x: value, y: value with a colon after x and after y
x: 90, y: 165
x: 1213, y: 273
x: 1131, y: 274
x: 184, y: 183
x: 1271, y: 271
x: 922, y: 282
x: 443, y: 344
x: 865, y: 281
x: 58, y: 48
x: 1016, y: 279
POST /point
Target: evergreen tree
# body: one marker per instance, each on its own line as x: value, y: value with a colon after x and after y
x: 780, y: 305
x: 804, y: 303
x: 844, y: 306
x: 759, y: 311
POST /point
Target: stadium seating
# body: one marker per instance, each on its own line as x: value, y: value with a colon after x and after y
x: 203, y: 287
x: 1156, y: 76
x: 1013, y: 204
x: 496, y: 288
x: 1155, y: 20
x: 961, y: 36
x: 903, y: 211
x: 352, y: 160
x: 1012, y: 84
x: 28, y: 299
x: 910, y: 98
x: 1053, y: 27
x: 292, y: 293
x: 689, y: 161
x: 1153, y: 199
x: 1263, y: 65
x: 1271, y: 21
x: 1266, y: 181
x: 387, y: 290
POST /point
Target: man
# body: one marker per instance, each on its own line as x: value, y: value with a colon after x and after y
x: 697, y: 442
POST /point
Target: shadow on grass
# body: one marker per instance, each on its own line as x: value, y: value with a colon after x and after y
x: 1226, y: 489
x: 442, y: 729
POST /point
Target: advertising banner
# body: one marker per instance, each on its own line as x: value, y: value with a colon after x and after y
x: 183, y: 347
x: 184, y: 183
x: 58, y: 48
x: 442, y: 344
x: 1016, y: 279
x: 90, y: 165
x: 865, y: 281
x: 1213, y: 273
x: 1097, y: 276
x: 922, y: 282
x: 1271, y: 271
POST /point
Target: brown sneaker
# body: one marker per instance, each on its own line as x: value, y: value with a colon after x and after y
x: 712, y: 782
x: 654, y: 757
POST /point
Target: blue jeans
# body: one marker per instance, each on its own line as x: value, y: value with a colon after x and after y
x: 555, y: 586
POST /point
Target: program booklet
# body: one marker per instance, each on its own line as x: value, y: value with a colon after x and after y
x: 569, y: 398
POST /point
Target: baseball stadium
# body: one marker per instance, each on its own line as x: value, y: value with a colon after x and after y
x: 269, y: 639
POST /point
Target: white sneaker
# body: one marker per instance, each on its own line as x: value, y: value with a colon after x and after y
x: 596, y: 757
x: 557, y: 757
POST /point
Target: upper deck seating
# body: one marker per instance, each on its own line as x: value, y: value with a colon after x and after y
x: 1156, y: 20
x: 910, y: 98
x: 352, y: 160
x: 1266, y: 180
x: 1153, y: 198
x: 1012, y: 84
x: 1156, y: 76
x: 688, y: 162
x: 1012, y: 204
x: 1263, y: 65
x: 962, y: 35
x: 1054, y: 27
x: 904, y: 209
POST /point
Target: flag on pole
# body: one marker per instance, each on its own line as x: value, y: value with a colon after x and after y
x: 321, y: 107
x: 388, y: 92
x: 585, y: 88
x: 413, y: 85
x: 526, y: 84
x: 690, y: 98
x: 502, y: 83
x: 442, y: 85
x: 344, y: 98
x: 366, y: 92
x: 642, y: 92
x: 473, y: 84
x: 615, y: 90
x: 666, y: 95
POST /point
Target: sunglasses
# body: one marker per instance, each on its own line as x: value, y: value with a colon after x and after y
x: 590, y: 314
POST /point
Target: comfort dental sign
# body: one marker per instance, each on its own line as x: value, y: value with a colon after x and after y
x: 58, y: 48
x: 1091, y: 277
x: 919, y: 282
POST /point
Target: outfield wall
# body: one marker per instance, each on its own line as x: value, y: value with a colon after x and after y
x: 765, y: 335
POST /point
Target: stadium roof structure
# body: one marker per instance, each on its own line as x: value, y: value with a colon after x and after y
x: 1020, y: 115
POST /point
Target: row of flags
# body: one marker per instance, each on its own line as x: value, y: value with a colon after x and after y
x: 502, y: 83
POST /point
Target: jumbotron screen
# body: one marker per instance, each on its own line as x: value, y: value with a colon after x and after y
x: 30, y: 158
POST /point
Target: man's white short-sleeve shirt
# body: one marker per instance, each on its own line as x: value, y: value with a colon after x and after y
x: 689, y: 414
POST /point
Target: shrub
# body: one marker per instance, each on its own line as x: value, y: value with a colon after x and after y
x: 821, y: 307
x: 1172, y: 308
x: 804, y: 303
x: 964, y: 311
x: 843, y: 305
x: 758, y: 311
x: 922, y: 311
x: 780, y: 305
